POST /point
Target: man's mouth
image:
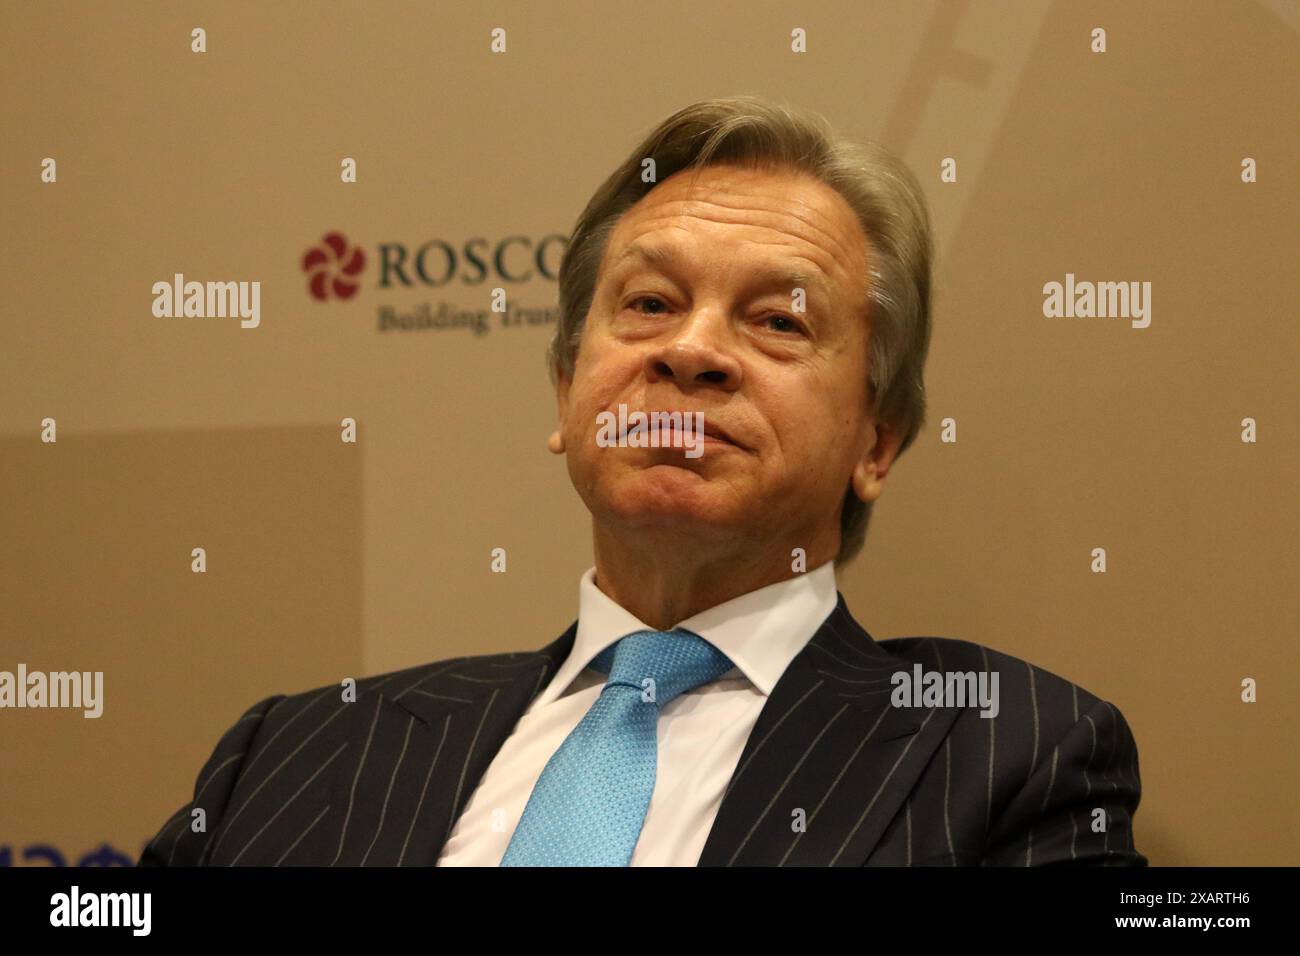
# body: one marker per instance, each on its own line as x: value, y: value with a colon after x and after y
x: 669, y: 428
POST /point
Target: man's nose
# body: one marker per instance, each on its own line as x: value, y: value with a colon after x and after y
x: 700, y: 352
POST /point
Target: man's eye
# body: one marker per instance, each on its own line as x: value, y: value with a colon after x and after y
x: 647, y: 298
x: 786, y: 324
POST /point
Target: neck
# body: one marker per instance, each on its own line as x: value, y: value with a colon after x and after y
x: 664, y: 579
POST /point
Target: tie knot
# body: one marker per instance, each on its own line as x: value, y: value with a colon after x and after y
x: 676, y: 661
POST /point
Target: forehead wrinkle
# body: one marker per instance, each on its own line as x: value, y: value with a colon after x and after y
x: 787, y: 270
x: 848, y: 261
x: 757, y: 206
x: 813, y: 274
x: 729, y: 182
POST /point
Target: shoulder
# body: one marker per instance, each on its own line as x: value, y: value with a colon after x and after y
x: 1033, y: 709
x: 303, y: 712
x: 1015, y: 676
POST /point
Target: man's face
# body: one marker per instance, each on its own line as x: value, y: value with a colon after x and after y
x: 710, y: 325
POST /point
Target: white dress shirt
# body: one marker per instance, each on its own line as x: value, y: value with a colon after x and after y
x: 701, y: 732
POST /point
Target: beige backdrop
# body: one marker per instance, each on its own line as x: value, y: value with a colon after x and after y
x: 328, y: 559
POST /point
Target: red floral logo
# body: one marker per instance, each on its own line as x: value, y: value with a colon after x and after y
x: 332, y: 268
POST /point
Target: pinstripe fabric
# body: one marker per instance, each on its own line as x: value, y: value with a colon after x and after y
x: 308, y: 780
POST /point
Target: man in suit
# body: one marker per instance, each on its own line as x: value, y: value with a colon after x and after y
x: 715, y: 702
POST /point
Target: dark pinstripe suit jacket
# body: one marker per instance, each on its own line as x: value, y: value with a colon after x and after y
x: 310, y: 780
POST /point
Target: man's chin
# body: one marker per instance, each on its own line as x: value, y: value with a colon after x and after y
x: 700, y: 507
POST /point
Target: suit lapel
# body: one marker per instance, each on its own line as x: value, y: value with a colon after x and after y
x: 443, y: 728
x: 830, y: 749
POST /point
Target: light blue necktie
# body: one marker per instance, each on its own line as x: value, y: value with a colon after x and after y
x: 589, y: 804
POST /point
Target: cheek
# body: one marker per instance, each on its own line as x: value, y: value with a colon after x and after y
x: 587, y: 399
x: 816, y: 438
x: 604, y: 381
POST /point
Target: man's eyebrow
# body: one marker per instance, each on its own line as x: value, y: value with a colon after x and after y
x: 653, y: 255
x: 777, y: 276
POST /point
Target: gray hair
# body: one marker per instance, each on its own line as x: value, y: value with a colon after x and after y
x: 880, y: 189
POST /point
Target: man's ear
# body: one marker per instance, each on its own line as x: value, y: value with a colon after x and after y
x: 870, y: 470
x: 556, y: 442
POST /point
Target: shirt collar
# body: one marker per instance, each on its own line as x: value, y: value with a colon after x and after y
x: 761, y: 632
